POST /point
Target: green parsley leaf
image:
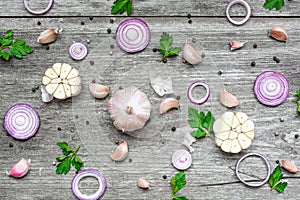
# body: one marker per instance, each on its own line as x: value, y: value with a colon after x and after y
x: 71, y: 158
x: 18, y: 48
x: 177, y: 183
x: 202, y: 122
x: 120, y: 6
x: 275, y: 178
x: 165, y: 48
x: 270, y: 4
x: 297, y: 101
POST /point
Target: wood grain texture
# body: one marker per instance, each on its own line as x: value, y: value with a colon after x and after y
x: 211, y: 175
x: 146, y: 8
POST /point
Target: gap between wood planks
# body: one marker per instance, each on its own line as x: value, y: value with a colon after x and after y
x: 148, y: 16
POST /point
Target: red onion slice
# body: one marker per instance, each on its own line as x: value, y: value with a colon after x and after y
x: 38, y: 12
x: 202, y: 100
x: 182, y: 159
x: 271, y: 88
x: 78, y: 51
x: 89, y: 173
x: 133, y: 35
x: 21, y: 121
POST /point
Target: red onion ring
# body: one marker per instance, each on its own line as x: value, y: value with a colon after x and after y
x: 266, y: 162
x: 89, y: 173
x: 133, y: 35
x: 182, y: 159
x: 38, y: 12
x: 21, y: 121
x: 200, y: 101
x: 271, y: 88
x: 243, y: 3
x: 78, y: 51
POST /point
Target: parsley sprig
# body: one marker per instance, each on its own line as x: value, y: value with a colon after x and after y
x: 177, y: 183
x: 297, y: 101
x: 202, y: 122
x: 71, y: 158
x: 120, y: 6
x: 270, y: 4
x: 165, y: 48
x: 8, y: 47
x: 275, y: 178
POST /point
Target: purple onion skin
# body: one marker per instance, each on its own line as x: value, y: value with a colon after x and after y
x: 51, y: 2
x: 189, y: 92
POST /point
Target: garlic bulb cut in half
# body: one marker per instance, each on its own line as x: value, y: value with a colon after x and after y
x: 62, y: 81
x: 129, y: 109
x: 234, y: 131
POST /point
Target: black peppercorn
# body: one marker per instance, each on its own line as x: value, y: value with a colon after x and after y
x: 220, y: 73
x: 109, y: 31
x: 33, y: 89
x: 154, y: 49
x: 117, y: 141
x: 130, y: 160
x: 82, y: 23
x: 277, y: 60
x: 165, y: 60
x: 59, y: 129
x: 91, y: 18
x: 39, y: 23
x: 254, y: 45
x: 173, y: 129
x: 253, y: 64
x: 47, y: 47
x: 165, y: 177
x: 189, y: 15
x: 92, y: 62
x: 190, y: 21
x: 277, y: 161
x: 111, y: 21
x: 87, y: 122
x: 11, y: 145
x: 296, y: 136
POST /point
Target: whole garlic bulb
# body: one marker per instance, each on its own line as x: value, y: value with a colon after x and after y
x: 129, y: 109
x: 62, y: 81
x: 233, y: 132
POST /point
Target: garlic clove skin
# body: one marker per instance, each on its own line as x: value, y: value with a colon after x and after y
x: 190, y: 55
x: 120, y: 152
x: 168, y: 104
x: 289, y: 166
x: 228, y: 100
x: 20, y: 169
x: 98, y: 91
x: 48, y: 36
x: 278, y: 33
x: 141, y: 183
x: 188, y: 141
x: 46, y: 97
x: 234, y: 45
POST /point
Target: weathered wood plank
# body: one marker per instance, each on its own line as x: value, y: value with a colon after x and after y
x: 211, y: 176
x: 146, y: 8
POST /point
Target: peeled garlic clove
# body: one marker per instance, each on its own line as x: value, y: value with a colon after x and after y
x: 234, y: 45
x: 120, y: 153
x: 190, y: 55
x: 228, y: 99
x: 168, y: 104
x: 141, y: 183
x: 98, y: 91
x: 289, y: 166
x: 62, y: 81
x: 20, y: 169
x: 278, y: 33
x: 48, y: 36
x: 46, y: 97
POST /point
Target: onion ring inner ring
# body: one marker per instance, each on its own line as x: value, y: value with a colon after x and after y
x: 243, y: 3
x: 38, y: 12
x: 257, y: 155
x: 202, y: 100
x: 89, y: 173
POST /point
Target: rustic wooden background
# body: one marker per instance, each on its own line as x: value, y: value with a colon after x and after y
x: 211, y: 175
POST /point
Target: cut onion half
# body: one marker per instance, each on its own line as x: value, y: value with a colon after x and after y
x: 133, y: 35
x: 271, y: 88
x: 21, y: 121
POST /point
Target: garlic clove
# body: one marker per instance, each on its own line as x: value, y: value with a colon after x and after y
x: 141, y: 183
x: 120, y: 152
x: 75, y: 90
x: 244, y: 141
x: 220, y: 126
x: 218, y: 142
x: 98, y: 91
x: 190, y: 55
x: 48, y: 36
x: 289, y: 166
x: 234, y: 45
x: 60, y: 92
x: 168, y: 104
x: 235, y: 146
x: 278, y: 33
x: 20, y: 169
x: 228, y: 100
x: 46, y: 97
x: 65, y: 70
x: 226, y: 146
x: 50, y: 73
